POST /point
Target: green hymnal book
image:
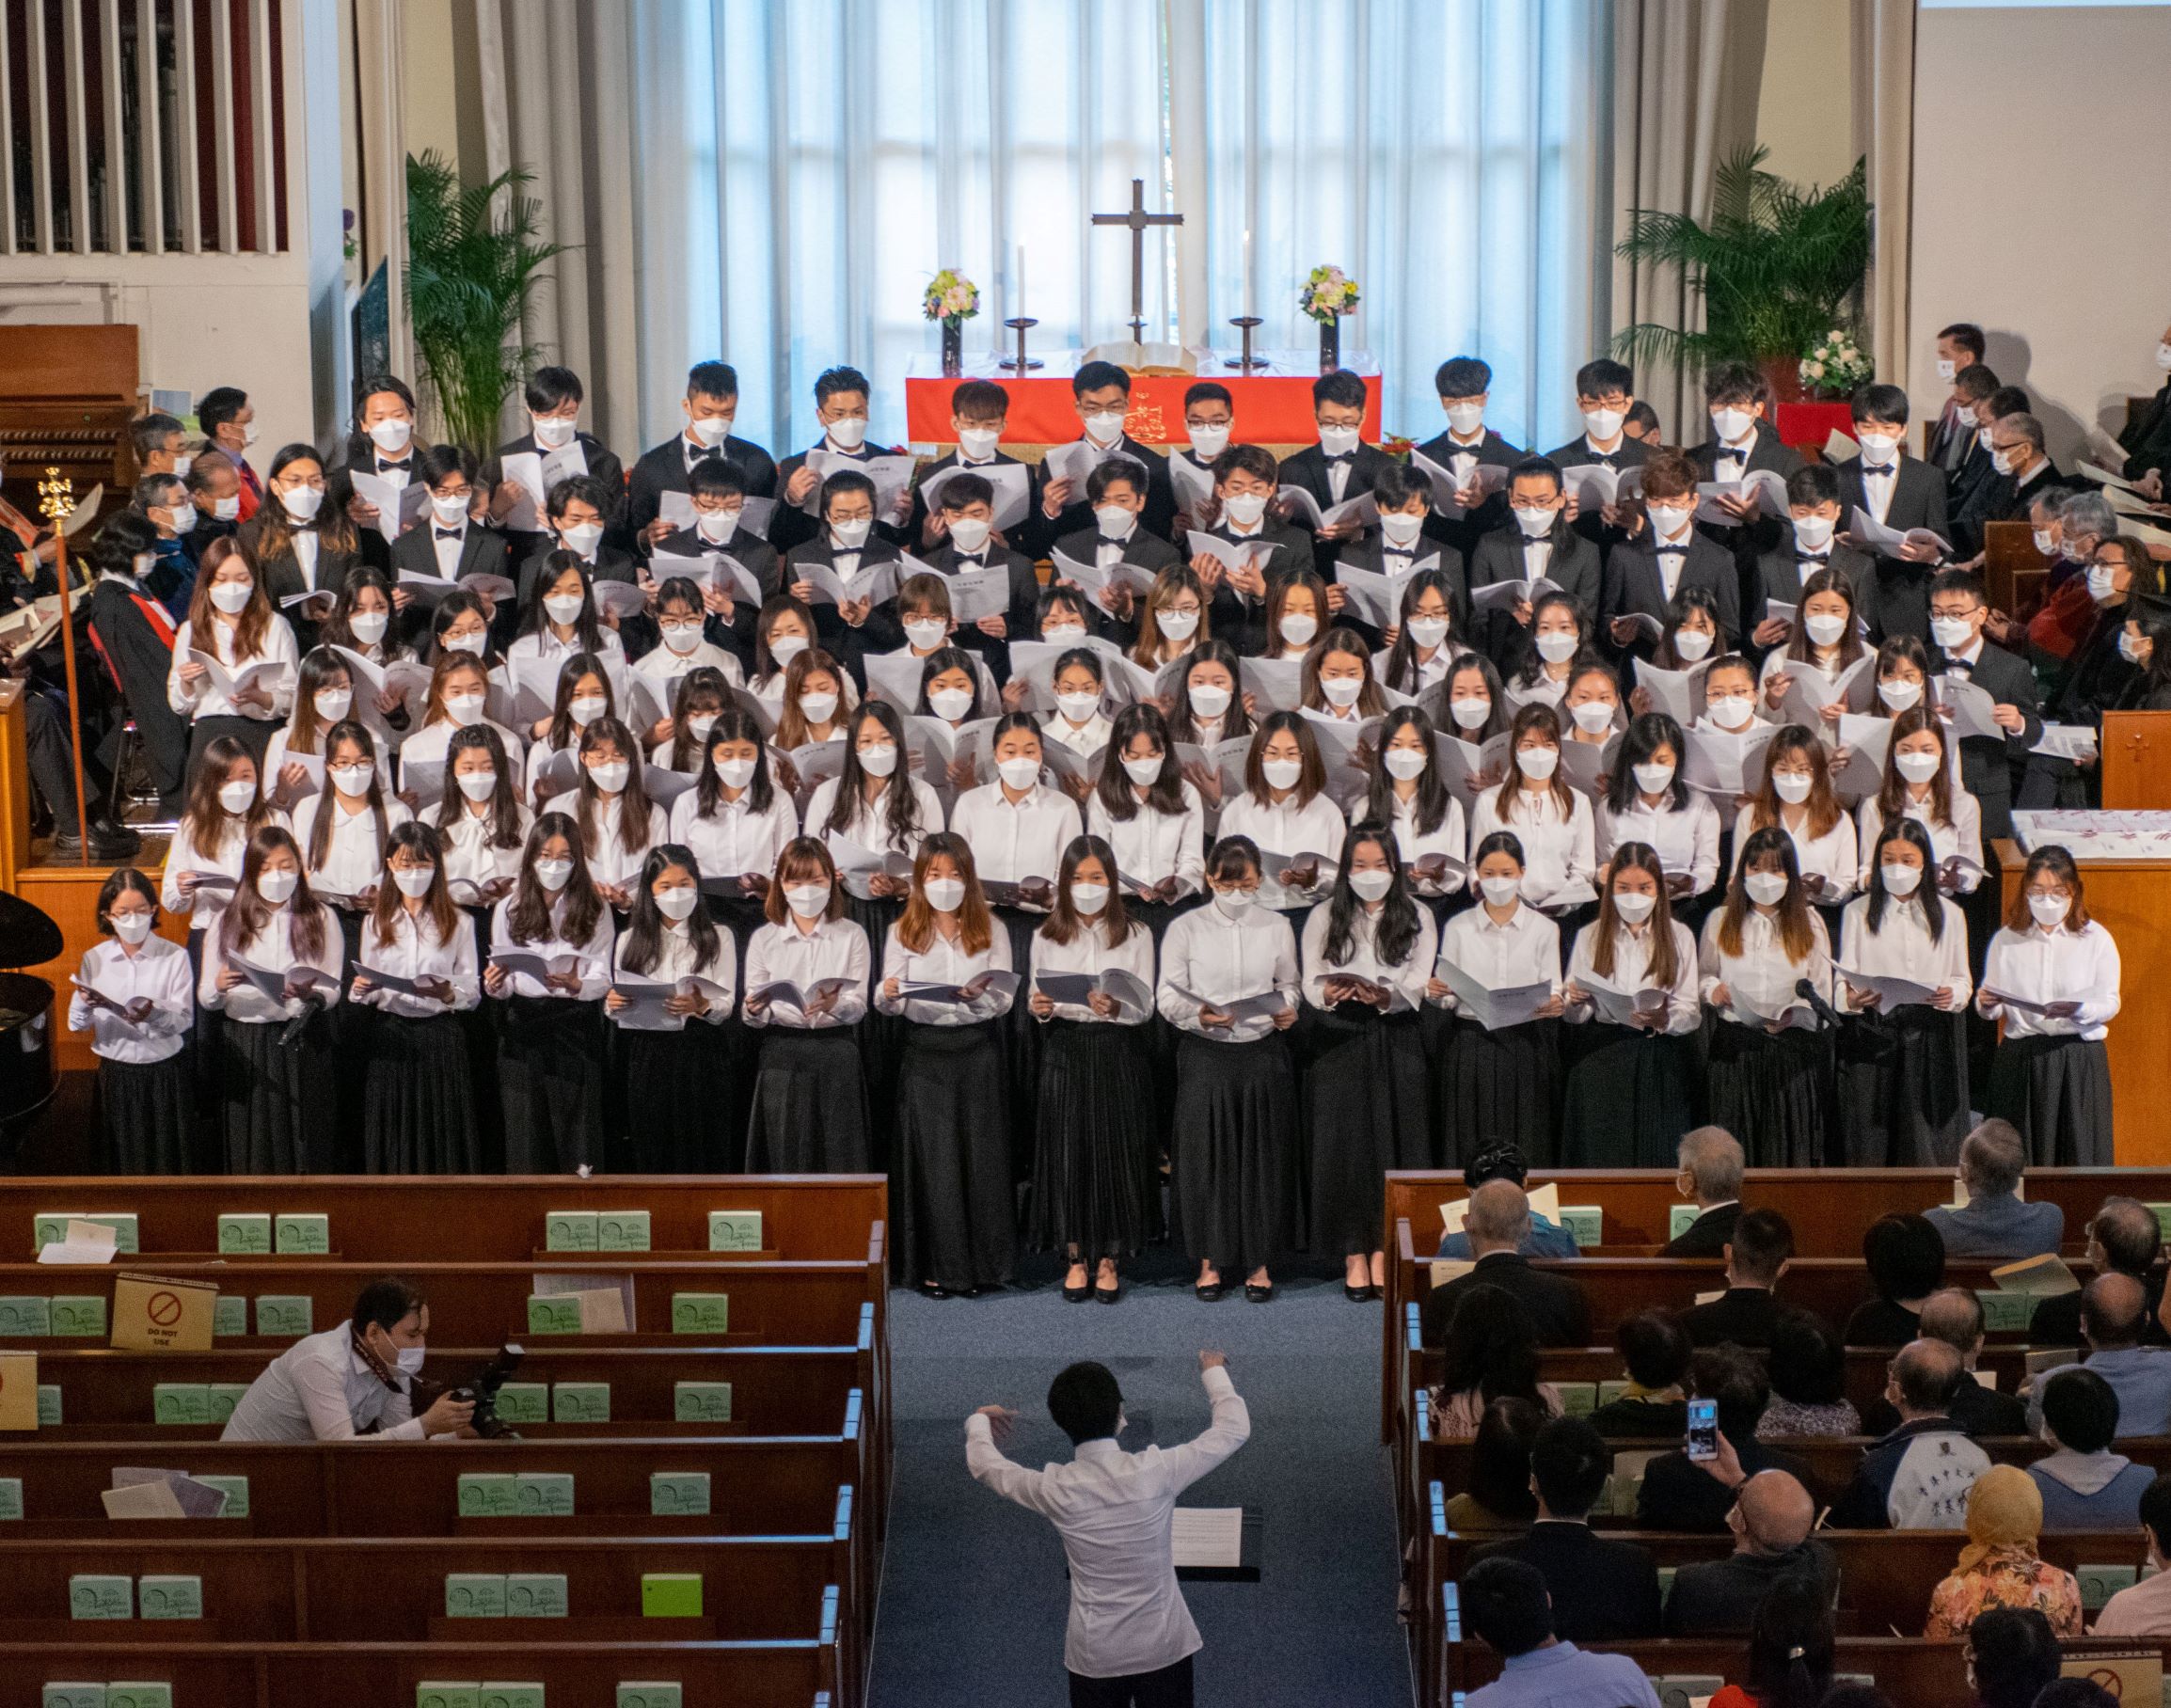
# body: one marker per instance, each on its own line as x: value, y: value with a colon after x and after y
x: 535, y: 1595
x: 702, y: 1403
x: 622, y: 1230
x: 1680, y: 1218
x: 48, y: 1405
x: 1585, y: 1222
x: 225, y: 1396
x: 50, y: 1227
x: 498, y: 1694
x: 637, y: 1694
x: 81, y: 1315
x: 570, y: 1230
x: 474, y: 1595
x: 161, y: 1597
x: 700, y: 1313
x: 489, y: 1494
x: 235, y: 1489
x: 132, y: 1693
x: 524, y: 1402
x: 180, y: 1402
x: 299, y: 1234
x: 10, y: 1497
x: 553, y: 1314
x: 544, y: 1494
x: 580, y: 1402
x: 671, y: 1595
x: 71, y: 1696
x: 286, y: 1314
x: 734, y: 1230
x: 2099, y: 1583
x: 245, y: 1234
x: 2006, y: 1313
x: 1578, y: 1399
x: 25, y: 1314
x: 678, y: 1493
x: 92, y: 1596
x: 228, y: 1315
x: 435, y: 1693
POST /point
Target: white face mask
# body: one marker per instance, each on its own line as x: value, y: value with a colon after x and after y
x: 1557, y: 646
x: 1946, y: 369
x: 1337, y: 441
x: 1592, y: 716
x: 1465, y: 419
x: 232, y: 597
x: 1428, y: 632
x: 849, y: 431
x: 716, y: 526
x: 184, y: 518
x: 1728, y: 711
x: 2163, y: 357
x: 1952, y: 633
x: 1403, y: 763
x: 951, y: 702
x: 681, y: 638
x: 131, y: 928
x: 611, y: 776
x: 225, y: 510
x: 472, y: 642
x: 678, y: 902
x: 1898, y: 693
x: 1916, y: 765
x: 1536, y: 523
x: 1877, y: 445
x: 409, y: 1359
x: 414, y: 880
x: 553, y: 874
x: 970, y: 533
x: 1067, y: 633
x: 1281, y: 773
x: 477, y: 785
x: 333, y: 704
x: 1088, y: 900
x: 302, y: 503
x: 1234, y: 902
x: 1298, y: 629
x: 1019, y: 773
x: 1078, y: 709
x: 1500, y: 891
x: 736, y: 773
x: 1244, y: 508
x: 927, y: 633
x: 1731, y: 423
x: 391, y: 436
x: 1114, y: 520
x: 2049, y: 909
x: 352, y: 780
x: 2046, y: 543
x: 2129, y: 649
x: 2003, y: 461
x: 1791, y: 787
x: 1812, y: 534
x: 879, y: 761
x: 1900, y: 881
x: 853, y: 534
x: 563, y: 608
x: 237, y: 796
x: 1341, y: 690
x: 1145, y: 773
x: 818, y: 708
x: 369, y: 625
x: 1765, y: 888
x: 1175, y: 624
x: 1825, y: 629
x: 1983, y: 438
x: 275, y: 887
x: 1669, y: 519
x: 1469, y: 713
x: 977, y: 443
x: 1401, y: 528
x: 581, y: 536
x: 1210, y: 702
x: 1104, y: 428
x: 2100, y: 583
x: 1652, y: 779
x: 1370, y: 886
x: 711, y: 430
x: 553, y: 432
x: 1537, y: 763
x: 1206, y: 442
x: 945, y: 895
x: 809, y: 901
x: 697, y: 726
x: 586, y: 709
x: 1603, y: 423
x: 785, y: 648
x: 465, y: 710
x: 451, y: 511
x: 1632, y: 905
x: 1690, y: 645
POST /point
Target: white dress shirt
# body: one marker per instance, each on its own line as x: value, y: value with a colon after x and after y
x: 676, y: 959
x: 430, y: 744
x: 1283, y: 827
x: 664, y: 668
x: 1537, y: 559
x: 306, y: 545
x: 414, y: 950
x: 611, y: 861
x: 1876, y: 489
x: 447, y: 543
x: 944, y: 962
x: 1545, y: 689
x: 1113, y: 1509
x: 158, y: 968
x: 1632, y: 972
x: 2054, y: 966
x: 1902, y: 948
x: 1558, y: 848
x: 1451, y: 837
x: 1014, y: 840
x: 1090, y: 952
x: 1501, y: 956
x: 1208, y: 955
x: 543, y: 648
x: 354, y: 855
x: 1669, y: 552
x: 594, y: 955
x: 1150, y: 845
x: 273, y: 950
x: 789, y: 953
x: 1085, y: 739
x: 735, y: 839
x: 1684, y: 839
x: 182, y: 854
x: 872, y: 829
x: 1431, y: 671
x: 1962, y: 836
x: 1762, y: 971
x: 319, y: 1389
x: 1409, y: 974
x: 465, y: 845
x: 204, y: 700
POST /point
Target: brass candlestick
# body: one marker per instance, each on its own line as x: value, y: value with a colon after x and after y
x: 55, y: 503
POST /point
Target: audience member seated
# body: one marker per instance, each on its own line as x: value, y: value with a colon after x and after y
x: 1790, y: 1652
x: 1656, y: 1349
x: 1711, y: 1164
x: 1683, y: 1494
x: 1602, y: 1591
x: 2113, y: 1310
x: 2012, y: 1653
x: 2145, y: 1610
x: 1498, y: 1219
x: 1955, y: 1316
x: 2083, y: 1484
x: 1807, y: 1381
x: 2000, y: 1567
x: 1918, y: 1477
x: 1996, y: 1223
x: 1504, y: 1604
x: 1546, y: 1237
x: 1906, y: 1264
x: 1491, y: 1353
x: 2123, y: 1239
x: 1772, y: 1520
x: 1499, y: 1501
x: 2073, y: 1693
x: 1757, y: 1255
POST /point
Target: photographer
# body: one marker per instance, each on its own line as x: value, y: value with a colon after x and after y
x: 352, y: 1382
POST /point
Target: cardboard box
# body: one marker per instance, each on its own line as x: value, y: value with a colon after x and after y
x: 700, y: 1313
x: 622, y: 1230
x: 79, y: 1315
x: 678, y: 1493
x: 285, y: 1316
x: 524, y: 1402
x: 580, y: 1402
x: 570, y: 1230
x: 235, y: 1489
x: 544, y: 1493
x: 734, y: 1230
x: 26, y: 1316
x: 702, y: 1403
x: 19, y: 1391
x: 244, y: 1235
x: 488, y: 1495
x: 93, y: 1595
x: 474, y: 1595
x: 169, y: 1597
x: 670, y: 1595
x: 301, y: 1233
x: 154, y: 1315
x: 535, y: 1595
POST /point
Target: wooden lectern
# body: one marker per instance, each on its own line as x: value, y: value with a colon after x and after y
x: 2135, y: 749
x: 2014, y: 572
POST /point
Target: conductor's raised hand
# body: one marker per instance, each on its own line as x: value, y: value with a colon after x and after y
x: 1001, y: 1419
x: 1208, y: 1360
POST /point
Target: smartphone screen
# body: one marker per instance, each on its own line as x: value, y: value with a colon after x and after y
x: 1704, y: 1428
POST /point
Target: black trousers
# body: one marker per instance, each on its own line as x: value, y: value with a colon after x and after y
x: 1170, y: 1687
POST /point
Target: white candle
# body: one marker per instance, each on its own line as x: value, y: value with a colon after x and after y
x: 1018, y: 283
x: 1247, y: 291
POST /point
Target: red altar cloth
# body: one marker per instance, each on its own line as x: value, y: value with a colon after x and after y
x: 1806, y: 426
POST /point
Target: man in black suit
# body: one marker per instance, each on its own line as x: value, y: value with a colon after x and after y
x: 1755, y: 1257
x: 1337, y: 469
x: 712, y: 405
x: 579, y: 511
x: 1400, y: 544
x: 2123, y: 1239
x: 553, y: 396
x: 1901, y: 492
x: 1666, y: 554
x: 966, y: 506
x: 1683, y: 1494
x: 1100, y: 392
x: 1605, y: 391
x: 849, y: 548
x: 2146, y: 440
x: 1771, y: 1519
x: 1464, y: 385
x: 2024, y: 468
x: 1989, y: 764
x: 1498, y: 1217
x: 1536, y: 540
x: 1603, y: 1591
x: 719, y: 497
x: 1978, y: 392
x: 447, y: 544
x: 1116, y: 496
x: 1710, y: 1165
x: 1954, y: 1316
x: 1808, y: 544
x: 382, y: 444
x: 1960, y: 348
x: 1742, y: 443
x: 979, y: 414
x: 844, y: 400
x: 1244, y: 479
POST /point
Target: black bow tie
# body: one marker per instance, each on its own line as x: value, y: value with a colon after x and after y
x: 1672, y: 551
x: 452, y: 533
x: 1727, y: 453
x: 1813, y: 557
x: 1104, y: 540
x: 385, y: 468
x: 703, y: 453
x: 1397, y: 551
x: 968, y: 559
x: 1870, y: 468
x: 1604, y: 458
x: 1340, y: 456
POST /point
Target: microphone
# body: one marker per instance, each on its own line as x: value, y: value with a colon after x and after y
x: 1824, y: 1011
x: 289, y: 1034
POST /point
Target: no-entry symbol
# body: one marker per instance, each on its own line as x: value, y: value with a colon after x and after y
x: 164, y: 1309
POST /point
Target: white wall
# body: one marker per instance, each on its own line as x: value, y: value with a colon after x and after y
x: 2037, y: 211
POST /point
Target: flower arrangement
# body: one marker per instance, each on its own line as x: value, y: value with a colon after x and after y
x: 1835, y: 364
x: 952, y: 298
x: 1399, y: 446
x: 1328, y: 294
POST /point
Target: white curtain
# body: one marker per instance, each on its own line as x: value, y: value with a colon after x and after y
x: 1884, y: 134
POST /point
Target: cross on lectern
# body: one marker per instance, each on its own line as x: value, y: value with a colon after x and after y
x: 1138, y: 220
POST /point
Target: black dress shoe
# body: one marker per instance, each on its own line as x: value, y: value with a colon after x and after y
x: 934, y: 1290
x: 1108, y: 1295
x: 1355, y: 1295
x: 1210, y: 1292
x: 1258, y: 1295
x: 1075, y: 1295
x: 116, y: 842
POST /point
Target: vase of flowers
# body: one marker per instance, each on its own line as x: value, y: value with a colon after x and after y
x: 1328, y: 294
x: 1834, y: 365
x: 952, y: 299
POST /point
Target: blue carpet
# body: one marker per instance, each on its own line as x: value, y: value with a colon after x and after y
x: 974, y: 1595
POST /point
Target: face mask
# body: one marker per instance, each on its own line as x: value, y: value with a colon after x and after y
x: 1402, y: 528
x: 1917, y: 766
x: 232, y: 597
x: 2127, y: 648
x: 970, y: 533
x: 2046, y: 543
x: 1469, y: 713
x: 1877, y: 445
x: 879, y: 761
x: 553, y: 874
x: 1983, y: 438
x: 1244, y: 508
x: 1104, y: 428
x: 553, y: 432
x: 184, y: 518
x: 1370, y: 886
x: 585, y: 710
x: 1177, y: 625
x: 1812, y: 534
x: 1341, y: 690
x: 2049, y: 909
x: 391, y: 436
x: 682, y: 638
x: 275, y: 887
x: 1729, y: 711
x: 853, y: 534
x: 785, y: 648
x: 225, y: 510
x: 818, y: 708
x: 130, y: 927
x: 1947, y: 369
x: 2099, y: 587
x: 1791, y: 787
x: 1144, y: 772
x: 951, y: 702
x: 1019, y: 773
x: 1952, y: 633
x: 979, y: 443
x: 581, y: 536
x: 2001, y: 461
x: 678, y: 902
x: 1730, y: 425
x: 1535, y: 524
x: 1557, y: 646
x: 945, y: 895
x: 352, y: 780
x: 1651, y: 779
x: 465, y: 710
x: 1537, y: 763
x: 181, y: 464
x: 237, y: 796
x: 1900, y: 881
x: 849, y: 431
x: 1825, y: 629
x: 1087, y: 900
x: 809, y: 901
x: 414, y: 880
x: 1281, y: 773
x: 1337, y: 441
x: 477, y: 785
x: 1669, y: 519
x: 1234, y: 902
x: 1208, y: 442
x: 1428, y: 632
x: 1592, y: 716
x: 449, y: 512
x: 1070, y: 634
x: 471, y: 642
x: 1210, y: 702
x: 333, y: 703
x: 2163, y: 357
x: 1465, y: 417
x: 369, y: 625
x: 2071, y: 551
x: 698, y: 725
x: 1765, y: 888
x: 711, y: 430
x: 563, y: 608
x: 1898, y: 694
x: 1500, y: 891
x: 1632, y: 905
x: 410, y: 1359
x: 1113, y: 520
x: 1603, y: 423
x: 1298, y: 629
x: 716, y: 526
x: 1078, y: 709
x: 737, y: 773
x: 1690, y: 644
x: 1403, y: 763
x: 927, y: 633
x: 611, y: 776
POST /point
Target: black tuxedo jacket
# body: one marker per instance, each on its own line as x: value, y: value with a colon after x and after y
x: 793, y: 526
x: 2148, y: 441
x: 1899, y: 592
x: 757, y: 554
x: 1018, y: 621
x: 884, y: 633
x: 1988, y: 766
x: 662, y: 468
x: 1159, y: 516
x: 1633, y: 584
x: 1463, y: 533
x: 1743, y: 1315
x: 1369, y: 553
x: 1241, y: 621
x: 1575, y: 566
x: 1029, y: 537
x: 485, y: 551
x: 1577, y: 453
x: 1308, y: 469
x: 1556, y: 1305
x: 282, y: 574
x: 1950, y: 440
x: 1708, y: 1236
x: 603, y: 462
x: 2000, y: 499
x: 1747, y: 541
x: 1149, y: 551
x: 1603, y: 1591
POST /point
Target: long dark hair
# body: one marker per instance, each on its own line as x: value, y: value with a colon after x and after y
x: 1491, y: 1348
x: 1687, y: 598
x: 705, y: 683
x: 1311, y: 780
x: 1429, y: 805
x: 205, y: 818
x: 504, y: 807
x: 1799, y: 648
x: 735, y: 724
x: 339, y: 627
x: 645, y: 930
x: 1403, y: 669
x: 419, y: 840
x: 1646, y: 734
x: 528, y: 915
x: 587, y: 629
x: 916, y: 925
x: 563, y: 732
x: 347, y: 729
x: 1064, y: 922
x: 1794, y: 741
x: 900, y: 811
x: 319, y: 669
x: 276, y: 539
x: 1797, y: 936
x: 1892, y: 793
x: 1909, y: 832
x: 1542, y: 717
x: 1235, y: 721
x: 2058, y: 862
x: 1496, y: 692
x: 633, y: 805
x: 1665, y: 965
x: 775, y: 605
x: 1165, y: 794
x: 1500, y: 1457
x: 1397, y: 935
x: 946, y: 658
x: 1530, y: 663
x: 1371, y: 703
x: 1791, y: 1645
x: 248, y: 913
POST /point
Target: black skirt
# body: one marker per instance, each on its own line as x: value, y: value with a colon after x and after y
x: 353, y: 1029
x: 417, y: 1099
x: 952, y: 1202
x: 278, y: 1106
x: 550, y: 1079
x: 1499, y: 1087
x: 1627, y: 1098
x: 205, y: 1054
x: 1367, y: 1098
x: 146, y: 1114
x: 1096, y: 1140
x: 2057, y: 1092
x: 1237, y: 1185
x: 1021, y: 1035
x: 1772, y: 1091
x: 882, y: 1036
x: 1901, y: 1089
x: 479, y: 1036
x: 810, y: 1103
x: 676, y: 1087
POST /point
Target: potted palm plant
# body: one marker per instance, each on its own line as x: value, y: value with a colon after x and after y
x: 474, y: 262
x: 1778, y: 268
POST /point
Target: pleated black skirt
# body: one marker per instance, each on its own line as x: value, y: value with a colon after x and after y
x: 952, y: 1202
x: 1021, y: 1036
x: 1627, y: 1099
x: 1237, y: 1200
x: 674, y: 1087
x: 1096, y: 1140
x: 1498, y: 1088
x: 479, y: 1036
x: 418, y: 1097
x: 206, y: 1054
x: 2057, y: 1092
x: 741, y: 1044
x: 278, y: 1106
x: 1771, y: 1091
x: 551, y: 1080
x: 146, y: 1115
x: 1368, y: 1106
x: 810, y: 1103
x: 1901, y: 1090
x: 354, y: 1028
x: 882, y: 1036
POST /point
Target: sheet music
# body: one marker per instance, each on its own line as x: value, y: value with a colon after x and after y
x: 1206, y: 1536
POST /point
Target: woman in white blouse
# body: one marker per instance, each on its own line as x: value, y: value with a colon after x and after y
x: 1631, y: 985
x: 806, y: 993
x: 225, y: 809
x: 1591, y: 726
x: 1406, y: 792
x: 680, y: 618
x: 782, y: 629
x: 1920, y: 783
x: 1337, y: 683
x: 136, y: 998
x: 619, y: 824
x: 1794, y: 795
x: 1229, y: 984
x: 418, y: 1091
x: 1175, y: 618
x: 1825, y: 642
x: 1286, y: 812
x: 585, y: 693
x: 1097, y: 1126
x: 736, y: 821
x: 324, y: 695
x: 343, y: 827
x: 1078, y: 722
x: 1556, y: 637
x: 698, y: 699
x: 675, y: 1062
x: 1151, y: 818
x: 1904, y: 1105
x: 229, y: 620
x: 459, y: 699
x: 952, y: 1193
x: 1765, y: 1075
x: 1551, y: 820
x: 1368, y: 951
x: 561, y: 624
x: 550, y: 965
x: 278, y: 1105
x: 2052, y: 978
x: 1419, y: 647
x: 1649, y: 803
x: 481, y: 821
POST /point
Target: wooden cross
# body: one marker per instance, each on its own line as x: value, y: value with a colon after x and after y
x: 1138, y: 220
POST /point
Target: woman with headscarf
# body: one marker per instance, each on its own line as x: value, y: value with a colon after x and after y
x: 2000, y: 1567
